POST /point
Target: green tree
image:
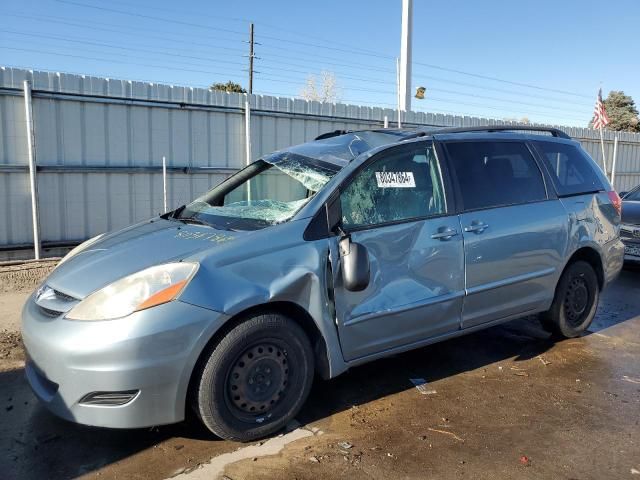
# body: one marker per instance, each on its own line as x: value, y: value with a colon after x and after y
x: 229, y: 87
x: 622, y: 112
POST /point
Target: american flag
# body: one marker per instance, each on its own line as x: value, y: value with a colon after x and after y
x: 600, y: 119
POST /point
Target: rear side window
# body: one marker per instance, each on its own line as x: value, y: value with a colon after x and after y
x: 494, y: 174
x: 572, y: 171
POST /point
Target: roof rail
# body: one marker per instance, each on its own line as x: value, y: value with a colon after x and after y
x: 491, y: 128
x: 335, y: 133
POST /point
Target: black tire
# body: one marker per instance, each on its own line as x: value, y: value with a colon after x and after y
x: 575, y: 302
x: 256, y: 379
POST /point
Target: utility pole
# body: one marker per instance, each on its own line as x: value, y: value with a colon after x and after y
x: 405, y: 55
x: 251, y: 56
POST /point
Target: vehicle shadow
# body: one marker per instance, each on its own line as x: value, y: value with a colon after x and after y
x: 520, y: 340
x: 36, y: 444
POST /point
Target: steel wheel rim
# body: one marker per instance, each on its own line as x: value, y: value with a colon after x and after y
x: 576, y: 301
x: 258, y: 379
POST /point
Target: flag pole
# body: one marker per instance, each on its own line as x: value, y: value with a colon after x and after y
x: 604, y: 158
x: 613, y: 162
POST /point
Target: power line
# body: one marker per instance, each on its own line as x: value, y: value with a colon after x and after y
x: 151, y: 17
x: 525, y: 85
x: 84, y: 41
x: 94, y: 26
x: 344, y: 50
x: 208, y: 27
x: 107, y: 45
x: 287, y: 79
x: 495, y: 79
x: 493, y: 89
x: 279, y: 28
x: 138, y: 57
x: 84, y: 57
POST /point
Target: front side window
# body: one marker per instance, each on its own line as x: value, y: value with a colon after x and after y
x: 400, y: 185
x: 494, y: 174
x: 572, y: 171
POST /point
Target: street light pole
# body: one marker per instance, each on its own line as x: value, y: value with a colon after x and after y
x: 405, y: 55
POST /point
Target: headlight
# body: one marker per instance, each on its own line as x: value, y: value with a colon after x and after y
x: 80, y: 248
x: 141, y: 290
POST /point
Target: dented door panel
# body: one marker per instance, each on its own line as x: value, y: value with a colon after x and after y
x: 415, y: 291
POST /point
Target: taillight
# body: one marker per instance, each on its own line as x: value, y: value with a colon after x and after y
x: 615, y: 201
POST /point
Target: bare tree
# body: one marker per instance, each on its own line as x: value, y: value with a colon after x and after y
x: 324, y: 90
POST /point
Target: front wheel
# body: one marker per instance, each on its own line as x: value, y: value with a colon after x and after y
x: 575, y: 302
x: 256, y: 379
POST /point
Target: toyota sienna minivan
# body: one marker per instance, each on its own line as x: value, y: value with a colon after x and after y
x: 315, y: 259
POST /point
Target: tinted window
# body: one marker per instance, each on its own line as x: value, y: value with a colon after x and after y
x: 633, y: 196
x: 572, y: 170
x: 492, y: 174
x: 400, y: 185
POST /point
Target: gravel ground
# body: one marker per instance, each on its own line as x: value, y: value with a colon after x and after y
x: 24, y: 277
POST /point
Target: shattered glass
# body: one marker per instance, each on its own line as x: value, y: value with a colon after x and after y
x: 272, y: 211
x: 312, y: 178
x: 365, y: 202
x: 281, y: 185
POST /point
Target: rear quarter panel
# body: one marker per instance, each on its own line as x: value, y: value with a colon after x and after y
x: 595, y: 223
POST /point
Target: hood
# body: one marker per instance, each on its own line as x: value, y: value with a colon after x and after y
x: 132, y: 249
x: 631, y: 212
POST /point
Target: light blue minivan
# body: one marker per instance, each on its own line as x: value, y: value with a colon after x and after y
x: 315, y: 259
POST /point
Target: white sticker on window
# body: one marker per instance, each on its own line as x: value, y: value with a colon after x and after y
x: 395, y: 180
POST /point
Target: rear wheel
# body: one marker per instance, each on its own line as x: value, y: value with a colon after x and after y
x: 575, y: 302
x: 256, y: 379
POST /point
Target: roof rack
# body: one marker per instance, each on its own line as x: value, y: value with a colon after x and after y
x: 490, y: 128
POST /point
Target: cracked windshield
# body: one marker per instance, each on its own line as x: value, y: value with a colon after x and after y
x: 277, y: 188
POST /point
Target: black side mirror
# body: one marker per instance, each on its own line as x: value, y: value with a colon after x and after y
x: 622, y: 194
x: 355, y: 264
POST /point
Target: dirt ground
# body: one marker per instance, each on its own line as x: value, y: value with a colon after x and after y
x: 508, y: 402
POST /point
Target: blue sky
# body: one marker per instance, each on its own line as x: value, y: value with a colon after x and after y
x: 496, y: 58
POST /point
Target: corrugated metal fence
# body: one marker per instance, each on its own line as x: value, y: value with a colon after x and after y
x: 100, y: 142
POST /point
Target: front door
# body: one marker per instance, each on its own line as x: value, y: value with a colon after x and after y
x: 514, y: 235
x: 396, y: 207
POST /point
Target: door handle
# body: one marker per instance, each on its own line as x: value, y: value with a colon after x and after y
x: 444, y: 234
x: 476, y: 227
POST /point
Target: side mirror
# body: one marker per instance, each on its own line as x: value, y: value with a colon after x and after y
x: 622, y: 194
x: 355, y: 264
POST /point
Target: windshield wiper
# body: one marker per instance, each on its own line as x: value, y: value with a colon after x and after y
x: 193, y: 220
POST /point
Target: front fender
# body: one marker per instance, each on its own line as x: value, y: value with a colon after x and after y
x: 295, y: 273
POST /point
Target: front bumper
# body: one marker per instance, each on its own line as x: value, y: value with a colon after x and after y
x: 632, y: 253
x: 152, y: 351
x: 630, y: 236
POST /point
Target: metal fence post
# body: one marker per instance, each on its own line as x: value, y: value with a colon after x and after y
x: 164, y: 183
x: 33, y: 183
x: 247, y: 135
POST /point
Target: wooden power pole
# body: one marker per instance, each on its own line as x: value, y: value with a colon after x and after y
x: 251, y: 56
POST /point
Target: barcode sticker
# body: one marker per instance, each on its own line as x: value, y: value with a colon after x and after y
x: 395, y: 180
